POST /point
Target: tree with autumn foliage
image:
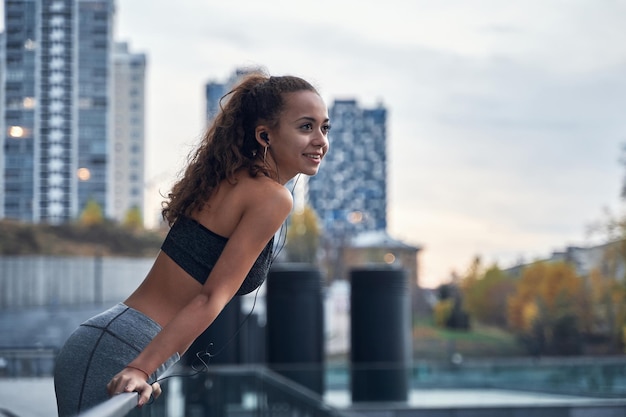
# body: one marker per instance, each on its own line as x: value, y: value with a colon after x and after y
x: 303, y: 236
x: 133, y: 219
x: 549, y: 309
x: 607, y: 282
x: 608, y: 314
x: 92, y: 213
x: 485, y: 293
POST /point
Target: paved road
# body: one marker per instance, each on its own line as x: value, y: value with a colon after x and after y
x: 42, y: 326
x: 34, y: 397
x: 27, y: 397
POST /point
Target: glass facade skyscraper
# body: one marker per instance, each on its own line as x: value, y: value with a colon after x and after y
x: 349, y: 194
x: 2, y: 124
x: 57, y: 108
x: 215, y: 90
x: 128, y: 154
x: 94, y: 85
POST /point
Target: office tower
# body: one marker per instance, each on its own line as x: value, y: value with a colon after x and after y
x: 2, y: 126
x: 349, y: 194
x: 128, y: 154
x: 213, y: 93
x: 57, y: 108
x: 215, y: 90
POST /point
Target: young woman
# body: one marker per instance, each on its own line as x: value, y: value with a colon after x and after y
x: 223, y: 213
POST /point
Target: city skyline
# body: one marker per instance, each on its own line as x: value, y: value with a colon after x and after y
x: 56, y: 109
x: 505, y: 119
x: 72, y: 113
x: 443, y: 218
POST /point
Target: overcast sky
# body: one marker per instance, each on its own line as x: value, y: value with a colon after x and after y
x: 505, y: 123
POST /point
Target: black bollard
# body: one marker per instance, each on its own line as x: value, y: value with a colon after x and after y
x: 295, y: 328
x: 380, y: 334
x: 217, y: 345
x: 220, y: 339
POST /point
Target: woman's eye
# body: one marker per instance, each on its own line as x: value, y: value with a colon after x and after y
x: 326, y: 128
x: 307, y: 126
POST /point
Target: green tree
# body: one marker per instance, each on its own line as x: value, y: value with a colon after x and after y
x: 449, y: 311
x: 92, y: 213
x: 133, y: 219
x: 303, y: 236
x: 442, y: 312
x: 485, y: 294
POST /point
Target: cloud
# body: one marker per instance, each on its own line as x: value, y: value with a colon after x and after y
x: 505, y: 118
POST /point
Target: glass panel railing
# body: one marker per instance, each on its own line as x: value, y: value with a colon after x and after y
x: 16, y: 362
x: 600, y: 377
x: 258, y: 391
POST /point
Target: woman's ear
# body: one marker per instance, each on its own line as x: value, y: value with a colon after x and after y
x: 262, y: 136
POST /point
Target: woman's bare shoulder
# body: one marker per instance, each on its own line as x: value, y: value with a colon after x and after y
x: 262, y: 206
x: 261, y: 192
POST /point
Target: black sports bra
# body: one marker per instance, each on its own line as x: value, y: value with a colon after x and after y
x: 196, y: 249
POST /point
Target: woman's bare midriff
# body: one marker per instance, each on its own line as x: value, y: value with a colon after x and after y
x: 165, y: 291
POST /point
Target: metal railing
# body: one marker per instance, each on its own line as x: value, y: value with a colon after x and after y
x: 118, y: 406
x: 22, y: 362
x: 224, y: 391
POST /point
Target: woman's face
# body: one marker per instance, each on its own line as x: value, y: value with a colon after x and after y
x: 299, y: 142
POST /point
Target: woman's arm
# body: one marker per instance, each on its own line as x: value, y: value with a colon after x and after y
x: 265, y: 209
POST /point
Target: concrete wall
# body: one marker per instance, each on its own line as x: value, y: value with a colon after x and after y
x: 36, y: 281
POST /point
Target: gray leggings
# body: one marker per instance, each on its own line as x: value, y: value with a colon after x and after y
x: 96, y: 351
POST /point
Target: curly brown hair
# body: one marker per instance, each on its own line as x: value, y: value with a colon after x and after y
x: 229, y: 143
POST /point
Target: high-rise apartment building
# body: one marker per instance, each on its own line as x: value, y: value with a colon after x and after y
x: 2, y: 127
x: 128, y: 154
x: 215, y: 90
x: 349, y: 194
x: 57, y: 108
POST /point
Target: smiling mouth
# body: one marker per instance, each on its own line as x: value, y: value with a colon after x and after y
x: 313, y: 156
